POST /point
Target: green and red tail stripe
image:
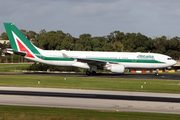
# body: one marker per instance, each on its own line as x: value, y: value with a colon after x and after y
x: 22, y: 48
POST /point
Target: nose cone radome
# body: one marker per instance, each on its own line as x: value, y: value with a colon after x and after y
x: 174, y: 62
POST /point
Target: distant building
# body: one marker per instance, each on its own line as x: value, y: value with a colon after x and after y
x: 4, y: 41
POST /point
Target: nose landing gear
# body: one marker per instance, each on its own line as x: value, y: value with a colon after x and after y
x: 156, y: 73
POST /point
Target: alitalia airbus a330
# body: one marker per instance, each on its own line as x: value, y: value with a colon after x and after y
x: 115, y: 62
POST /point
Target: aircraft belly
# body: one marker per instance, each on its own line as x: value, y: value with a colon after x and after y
x: 144, y: 65
x: 63, y: 63
x: 57, y: 63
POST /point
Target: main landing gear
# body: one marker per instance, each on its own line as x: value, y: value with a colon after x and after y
x: 92, y: 70
x: 88, y: 73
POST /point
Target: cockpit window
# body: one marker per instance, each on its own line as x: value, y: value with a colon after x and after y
x: 169, y: 58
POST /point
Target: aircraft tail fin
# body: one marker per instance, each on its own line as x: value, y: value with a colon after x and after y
x: 19, y: 42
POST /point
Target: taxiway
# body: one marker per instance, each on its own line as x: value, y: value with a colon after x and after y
x: 164, y: 76
x: 91, y: 99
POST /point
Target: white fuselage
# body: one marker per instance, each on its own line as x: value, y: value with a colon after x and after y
x: 128, y: 59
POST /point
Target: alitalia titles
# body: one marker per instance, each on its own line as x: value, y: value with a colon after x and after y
x: 151, y: 57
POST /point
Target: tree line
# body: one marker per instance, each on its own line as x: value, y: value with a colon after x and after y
x: 116, y: 41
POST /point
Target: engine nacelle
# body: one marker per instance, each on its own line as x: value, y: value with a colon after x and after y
x: 117, y: 68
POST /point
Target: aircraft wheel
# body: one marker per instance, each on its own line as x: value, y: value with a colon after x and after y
x: 156, y: 74
x: 88, y: 73
x: 93, y: 72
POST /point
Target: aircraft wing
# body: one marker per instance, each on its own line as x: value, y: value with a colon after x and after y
x: 89, y: 61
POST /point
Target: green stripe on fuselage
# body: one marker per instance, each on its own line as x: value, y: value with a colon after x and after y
x: 106, y: 60
x: 128, y: 60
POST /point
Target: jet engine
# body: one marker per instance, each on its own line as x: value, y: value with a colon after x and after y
x: 116, y: 68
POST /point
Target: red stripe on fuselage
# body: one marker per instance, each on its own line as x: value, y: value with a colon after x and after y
x: 22, y: 48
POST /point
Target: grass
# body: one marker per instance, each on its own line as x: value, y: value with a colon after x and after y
x: 115, y: 84
x: 14, y: 66
x: 43, y: 113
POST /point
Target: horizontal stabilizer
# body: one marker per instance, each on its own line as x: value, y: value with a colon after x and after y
x: 9, y: 51
x: 21, y: 53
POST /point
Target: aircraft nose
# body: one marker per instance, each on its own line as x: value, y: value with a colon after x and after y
x: 174, y: 62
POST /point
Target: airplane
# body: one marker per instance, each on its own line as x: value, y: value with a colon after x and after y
x: 116, y: 62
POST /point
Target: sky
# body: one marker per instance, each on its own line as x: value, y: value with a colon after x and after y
x: 152, y: 18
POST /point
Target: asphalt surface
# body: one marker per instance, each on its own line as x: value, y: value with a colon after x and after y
x: 92, y: 96
x: 91, y: 99
x: 165, y: 76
